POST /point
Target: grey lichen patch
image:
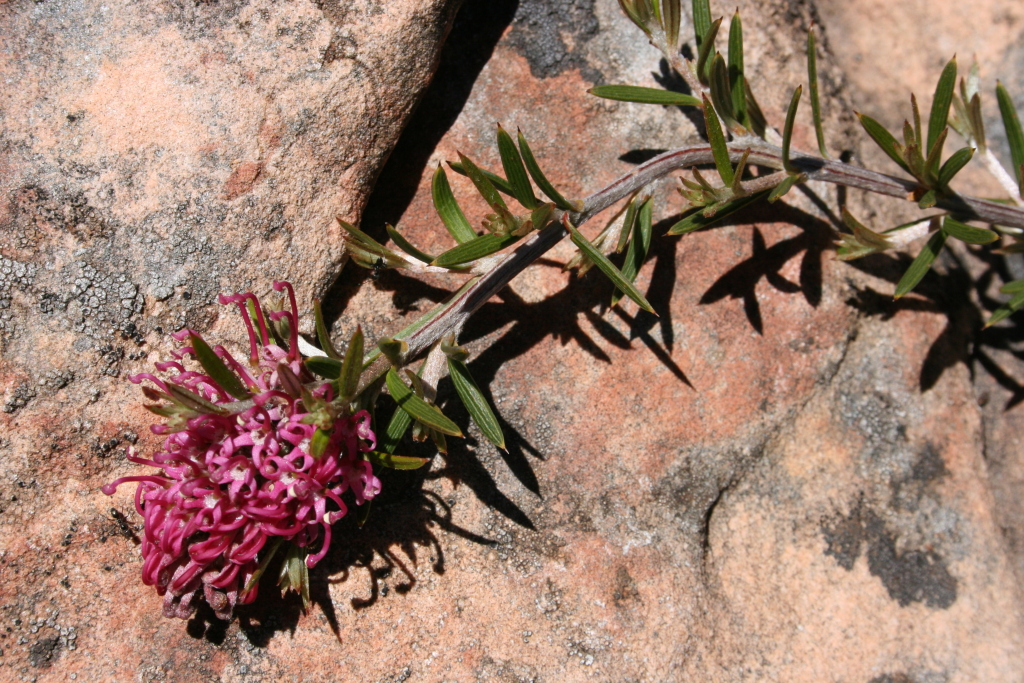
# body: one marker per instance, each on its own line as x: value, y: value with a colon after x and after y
x: 19, y: 398
x: 15, y: 277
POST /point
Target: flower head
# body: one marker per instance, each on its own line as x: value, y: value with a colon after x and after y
x: 251, y: 454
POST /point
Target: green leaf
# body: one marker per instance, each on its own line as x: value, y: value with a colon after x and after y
x: 268, y: 552
x: 396, y: 462
x: 706, y: 49
x: 193, y: 401
x: 417, y: 407
x: 294, y: 575
x: 935, y: 156
x: 318, y: 444
x: 921, y: 264
x: 217, y: 370
x: 470, y: 251
x: 883, y: 139
x: 1012, y: 287
x: 812, y: 81
x: 670, y: 19
x: 321, y: 332
x: 515, y: 171
x: 785, y: 186
x: 638, y: 246
x: 716, y: 137
x: 483, y: 185
x: 721, y: 92
x: 606, y: 266
x: 953, y: 165
x: 329, y: 368
x: 627, y: 226
x: 736, y: 79
x: 1007, y: 309
x: 406, y: 246
x: 475, y: 402
x: 701, y: 10
x: 968, y: 233
x: 542, y: 181
x: 697, y: 220
x: 352, y: 367
x: 918, y: 138
x: 1014, y: 135
x: 393, y: 349
x: 448, y: 209
x: 787, y: 131
x: 928, y: 200
x: 940, y: 103
x: 636, y: 93
x: 392, y: 436
x: 499, y: 183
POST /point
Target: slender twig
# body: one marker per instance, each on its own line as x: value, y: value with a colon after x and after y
x: 763, y: 154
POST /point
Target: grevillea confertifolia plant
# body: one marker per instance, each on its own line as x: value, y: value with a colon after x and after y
x: 259, y: 460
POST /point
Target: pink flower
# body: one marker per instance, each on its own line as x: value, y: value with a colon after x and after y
x: 235, y: 473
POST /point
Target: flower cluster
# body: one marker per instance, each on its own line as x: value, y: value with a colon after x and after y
x: 239, y: 466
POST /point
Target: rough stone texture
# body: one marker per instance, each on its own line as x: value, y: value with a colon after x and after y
x: 782, y: 477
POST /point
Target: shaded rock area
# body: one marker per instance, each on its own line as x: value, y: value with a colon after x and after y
x: 783, y: 476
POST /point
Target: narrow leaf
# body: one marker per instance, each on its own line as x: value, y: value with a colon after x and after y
x: 1006, y: 309
x: 318, y: 444
x: 812, y: 81
x: 483, y: 185
x: 627, y: 226
x: 392, y: 436
x: 883, y: 139
x: 940, y: 103
x: 352, y: 367
x: 470, y: 251
x: 417, y: 407
x: 638, y: 246
x: 718, y: 146
x: 515, y: 171
x: 329, y: 368
x: 953, y: 165
x: 697, y: 220
x: 448, y: 209
x: 935, y: 155
x: 636, y: 93
x: 706, y: 49
x: 736, y: 79
x: 670, y: 19
x: 217, y: 370
x: 322, y: 335
x: 406, y: 246
x: 499, y: 183
x: 701, y: 10
x: 921, y: 264
x: 606, y: 266
x: 968, y: 233
x: 787, y: 131
x: 785, y: 186
x: 1014, y: 135
x: 721, y: 94
x: 542, y: 181
x: 476, y: 404
x: 396, y: 462
x: 1013, y: 287
x: 193, y: 401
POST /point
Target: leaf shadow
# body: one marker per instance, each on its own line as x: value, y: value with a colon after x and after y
x: 764, y: 263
